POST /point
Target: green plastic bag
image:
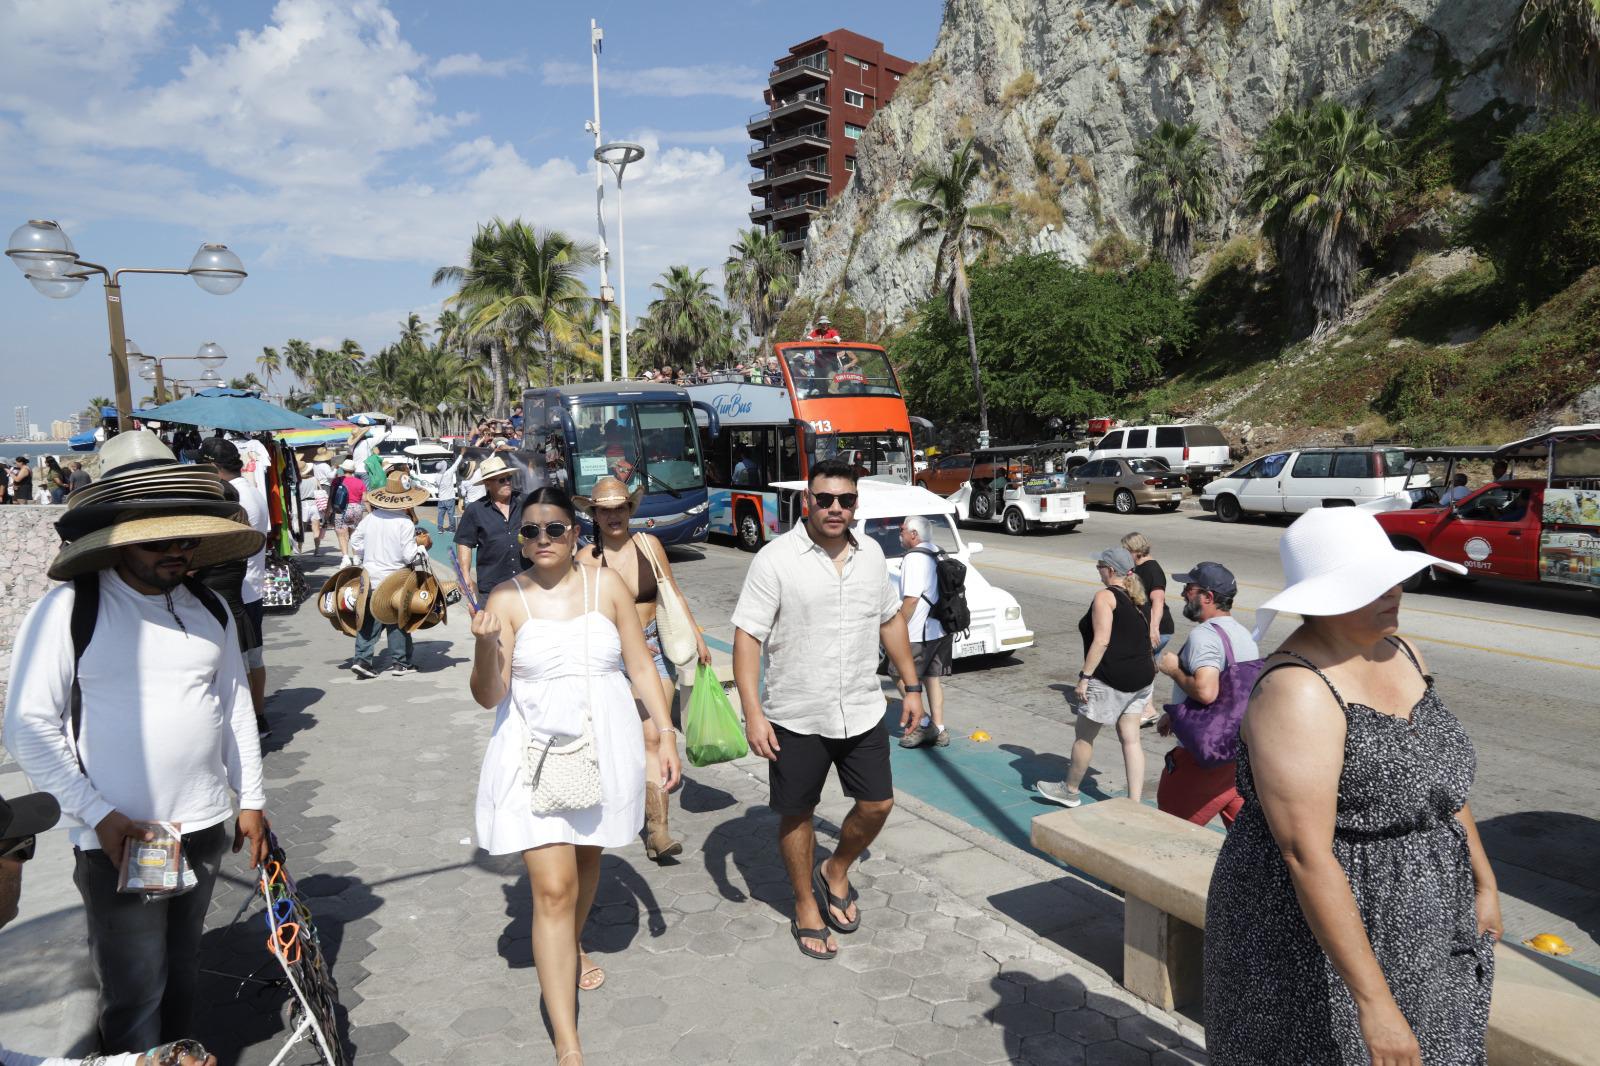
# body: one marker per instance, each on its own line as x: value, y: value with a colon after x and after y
x: 712, y: 731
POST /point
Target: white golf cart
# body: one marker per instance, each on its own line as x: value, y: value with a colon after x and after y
x: 997, y: 627
x: 1016, y: 487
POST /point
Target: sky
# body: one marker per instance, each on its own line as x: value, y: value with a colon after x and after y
x: 347, y: 148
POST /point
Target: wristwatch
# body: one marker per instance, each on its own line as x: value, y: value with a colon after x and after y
x: 1085, y: 677
x: 914, y: 688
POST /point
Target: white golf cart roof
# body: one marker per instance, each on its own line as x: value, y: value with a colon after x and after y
x: 888, y: 499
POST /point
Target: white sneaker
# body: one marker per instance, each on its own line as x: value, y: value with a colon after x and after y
x: 1056, y: 792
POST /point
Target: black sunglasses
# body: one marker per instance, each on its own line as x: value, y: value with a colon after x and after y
x: 161, y: 547
x: 21, y: 850
x: 553, y: 530
x: 847, y: 500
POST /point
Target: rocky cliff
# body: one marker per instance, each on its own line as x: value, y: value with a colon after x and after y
x: 1058, y: 92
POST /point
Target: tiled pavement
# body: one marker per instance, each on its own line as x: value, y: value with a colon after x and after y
x: 963, y: 955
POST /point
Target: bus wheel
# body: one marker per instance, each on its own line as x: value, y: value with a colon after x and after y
x: 750, y: 532
x: 1015, y: 523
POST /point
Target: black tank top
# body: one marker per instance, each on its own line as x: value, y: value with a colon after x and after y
x: 1127, y: 665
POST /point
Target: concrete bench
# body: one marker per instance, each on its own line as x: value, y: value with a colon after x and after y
x: 1544, y: 1013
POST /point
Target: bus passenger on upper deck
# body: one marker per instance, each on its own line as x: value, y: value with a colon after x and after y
x: 824, y: 330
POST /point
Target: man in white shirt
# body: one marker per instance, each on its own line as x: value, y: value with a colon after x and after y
x: 152, y: 724
x: 386, y: 541
x: 930, y: 644
x: 818, y: 602
x: 225, y: 456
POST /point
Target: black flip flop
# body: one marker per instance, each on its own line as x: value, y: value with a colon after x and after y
x: 819, y: 885
x: 802, y: 935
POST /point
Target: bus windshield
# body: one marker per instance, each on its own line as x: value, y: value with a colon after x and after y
x: 649, y: 444
x: 836, y: 371
x: 886, y: 454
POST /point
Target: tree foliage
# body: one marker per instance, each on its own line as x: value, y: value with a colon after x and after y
x: 1174, y: 181
x: 1056, y: 341
x: 759, y: 278
x: 1555, y: 47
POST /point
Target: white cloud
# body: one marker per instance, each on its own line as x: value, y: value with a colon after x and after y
x: 742, y: 82
x: 471, y: 63
x: 725, y: 135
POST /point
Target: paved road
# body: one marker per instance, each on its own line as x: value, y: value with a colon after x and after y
x: 1517, y: 665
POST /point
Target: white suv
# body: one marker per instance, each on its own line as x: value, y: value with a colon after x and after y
x: 1294, y: 482
x: 1200, y: 452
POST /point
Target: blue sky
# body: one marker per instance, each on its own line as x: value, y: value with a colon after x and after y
x: 345, y: 148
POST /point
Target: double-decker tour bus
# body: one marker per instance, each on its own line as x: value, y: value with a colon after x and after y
x: 835, y: 400
x: 637, y: 431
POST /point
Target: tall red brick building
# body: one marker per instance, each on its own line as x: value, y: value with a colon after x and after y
x: 820, y: 97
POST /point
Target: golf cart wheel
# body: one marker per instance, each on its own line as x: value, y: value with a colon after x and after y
x: 1124, y: 502
x: 750, y: 533
x: 1015, y: 523
x: 982, y: 506
x: 1227, y: 509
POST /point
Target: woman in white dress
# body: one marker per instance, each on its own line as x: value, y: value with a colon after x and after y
x: 549, y: 645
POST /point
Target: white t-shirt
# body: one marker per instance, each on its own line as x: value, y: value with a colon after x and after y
x: 257, y: 461
x: 254, y: 503
x: 323, y: 473
x: 919, y: 576
x: 385, y: 541
x: 168, y: 729
x: 17, y: 1058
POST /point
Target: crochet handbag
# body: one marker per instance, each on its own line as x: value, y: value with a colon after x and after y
x: 672, y: 618
x: 566, y: 777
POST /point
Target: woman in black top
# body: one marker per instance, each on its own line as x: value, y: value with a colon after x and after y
x: 22, y: 481
x: 1154, y: 580
x: 1117, y: 677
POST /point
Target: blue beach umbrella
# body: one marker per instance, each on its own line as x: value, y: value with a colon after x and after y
x: 233, y: 409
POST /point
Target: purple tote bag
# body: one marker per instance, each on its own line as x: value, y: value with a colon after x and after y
x: 1210, y: 732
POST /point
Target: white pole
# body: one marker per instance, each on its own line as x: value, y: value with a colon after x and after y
x: 622, y: 275
x: 595, y: 37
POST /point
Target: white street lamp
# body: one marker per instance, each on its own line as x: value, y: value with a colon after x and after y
x: 617, y: 155
x: 216, y: 269
x: 41, y: 249
x: 211, y: 355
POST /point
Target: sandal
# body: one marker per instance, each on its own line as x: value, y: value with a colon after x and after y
x: 802, y: 935
x: 567, y: 1055
x: 819, y: 884
x: 583, y: 975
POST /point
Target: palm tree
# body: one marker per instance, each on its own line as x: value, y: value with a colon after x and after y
x: 1322, y: 183
x: 248, y: 382
x: 1175, y: 184
x: 299, y: 359
x: 759, y: 278
x: 939, y: 203
x: 1555, y: 48
x: 520, y: 283
x: 271, y: 364
x: 684, y: 317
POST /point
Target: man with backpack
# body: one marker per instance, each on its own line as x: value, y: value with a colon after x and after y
x: 932, y: 598
x: 129, y: 704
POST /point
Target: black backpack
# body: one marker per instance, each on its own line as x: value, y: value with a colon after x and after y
x: 950, y: 610
x: 86, y: 612
x: 339, y: 498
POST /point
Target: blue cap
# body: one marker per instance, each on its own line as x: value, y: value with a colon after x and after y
x: 1213, y: 577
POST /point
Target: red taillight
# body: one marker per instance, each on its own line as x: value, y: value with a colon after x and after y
x: 1186, y: 453
x: 1152, y: 481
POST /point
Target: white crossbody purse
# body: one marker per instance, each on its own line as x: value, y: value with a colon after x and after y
x: 678, y: 641
x: 566, y: 777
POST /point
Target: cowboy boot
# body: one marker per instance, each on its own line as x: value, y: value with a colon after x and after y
x: 658, y: 842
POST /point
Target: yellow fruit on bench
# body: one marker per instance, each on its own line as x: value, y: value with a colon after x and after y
x: 1549, y: 944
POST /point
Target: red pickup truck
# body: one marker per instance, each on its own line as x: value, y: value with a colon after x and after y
x: 1525, y: 529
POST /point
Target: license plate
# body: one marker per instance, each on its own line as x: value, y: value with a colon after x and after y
x: 1177, y: 495
x: 970, y: 648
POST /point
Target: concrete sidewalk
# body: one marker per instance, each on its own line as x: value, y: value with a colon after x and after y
x: 962, y: 956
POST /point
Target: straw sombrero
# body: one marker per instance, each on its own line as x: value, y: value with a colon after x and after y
x: 409, y: 599
x: 322, y: 455
x: 609, y: 492
x: 343, y: 599
x: 394, y: 496
x: 494, y: 466
x: 146, y: 495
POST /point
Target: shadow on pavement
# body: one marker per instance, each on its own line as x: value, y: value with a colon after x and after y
x: 1554, y: 860
x: 288, y: 711
x: 1053, y: 1020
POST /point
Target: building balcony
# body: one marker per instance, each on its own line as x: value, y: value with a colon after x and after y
x: 802, y: 70
x: 760, y: 211
x: 793, y: 240
x: 759, y: 121
x: 813, y: 135
x: 811, y: 103
x: 798, y: 205
x: 806, y: 172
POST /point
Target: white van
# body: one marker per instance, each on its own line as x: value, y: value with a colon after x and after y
x: 1294, y: 482
x: 1199, y: 452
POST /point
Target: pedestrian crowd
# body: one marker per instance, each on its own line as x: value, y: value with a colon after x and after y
x: 1351, y: 917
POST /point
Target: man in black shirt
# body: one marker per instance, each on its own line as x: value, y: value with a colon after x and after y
x: 490, y: 525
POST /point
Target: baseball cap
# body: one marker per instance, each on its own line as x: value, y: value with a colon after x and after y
x: 223, y: 453
x: 1213, y: 577
x: 28, y: 815
x: 1120, y: 560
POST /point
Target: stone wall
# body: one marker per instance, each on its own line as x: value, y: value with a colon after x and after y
x: 28, y: 542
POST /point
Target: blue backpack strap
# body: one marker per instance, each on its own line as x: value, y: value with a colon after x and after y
x: 85, y: 613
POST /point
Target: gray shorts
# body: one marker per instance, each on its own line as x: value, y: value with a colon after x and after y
x: 931, y: 656
x: 1105, y: 704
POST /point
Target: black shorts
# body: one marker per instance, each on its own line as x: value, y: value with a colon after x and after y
x: 932, y: 658
x: 795, y: 779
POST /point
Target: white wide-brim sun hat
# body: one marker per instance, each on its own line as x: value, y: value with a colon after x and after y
x: 1337, y: 560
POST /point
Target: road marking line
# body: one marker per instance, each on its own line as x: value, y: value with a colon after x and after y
x: 1418, y: 610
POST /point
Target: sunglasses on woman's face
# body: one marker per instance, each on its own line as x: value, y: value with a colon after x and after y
x: 847, y: 500
x: 553, y: 530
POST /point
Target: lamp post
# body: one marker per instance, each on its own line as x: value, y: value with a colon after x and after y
x: 209, y: 355
x: 44, y: 253
x: 617, y: 155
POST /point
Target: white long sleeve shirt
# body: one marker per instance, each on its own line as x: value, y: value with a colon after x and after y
x: 17, y: 1058
x: 386, y: 541
x: 168, y: 728
x: 260, y: 517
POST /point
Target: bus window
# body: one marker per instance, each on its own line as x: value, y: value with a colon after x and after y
x: 840, y: 371
x: 750, y: 467
x: 671, y: 450
x: 608, y: 444
x: 883, y: 454
x: 788, y: 456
